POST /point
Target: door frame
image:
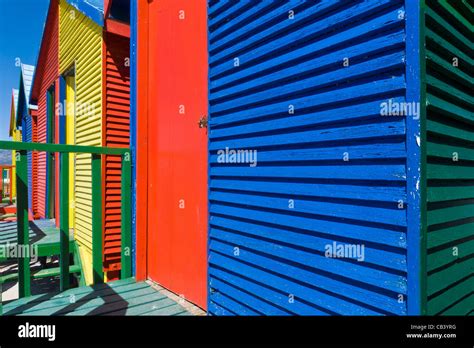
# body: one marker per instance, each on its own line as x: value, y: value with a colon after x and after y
x: 139, y: 101
x: 139, y: 128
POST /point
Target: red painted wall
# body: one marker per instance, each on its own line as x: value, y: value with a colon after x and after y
x: 46, y: 74
x: 34, y: 165
x: 116, y: 133
x: 56, y: 159
x: 171, y: 148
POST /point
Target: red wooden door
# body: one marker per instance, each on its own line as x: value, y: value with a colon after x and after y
x: 177, y: 147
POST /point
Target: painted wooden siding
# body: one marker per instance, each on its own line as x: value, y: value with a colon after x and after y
x: 24, y: 112
x: 15, y: 134
x: 27, y: 131
x: 80, y: 45
x: 34, y: 166
x: 16, y: 137
x: 70, y: 139
x: 41, y: 167
x: 116, y: 130
x: 450, y: 169
x: 49, y: 73
x: 270, y: 224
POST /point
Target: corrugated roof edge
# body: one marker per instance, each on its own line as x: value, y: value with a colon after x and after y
x: 28, y: 72
x: 94, y: 9
x: 15, y: 93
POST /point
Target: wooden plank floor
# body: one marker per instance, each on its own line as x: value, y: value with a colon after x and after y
x: 122, y: 297
x: 41, y: 231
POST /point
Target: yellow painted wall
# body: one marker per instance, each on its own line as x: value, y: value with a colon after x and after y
x: 80, y: 47
x: 13, y: 178
x: 16, y: 136
x: 70, y: 139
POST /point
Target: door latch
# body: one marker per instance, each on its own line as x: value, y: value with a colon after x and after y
x: 203, y: 122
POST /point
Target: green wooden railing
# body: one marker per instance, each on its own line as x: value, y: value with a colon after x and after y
x: 24, y: 276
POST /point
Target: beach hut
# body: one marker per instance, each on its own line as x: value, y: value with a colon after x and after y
x: 26, y: 119
x: 94, y: 69
x: 45, y: 94
x: 340, y: 157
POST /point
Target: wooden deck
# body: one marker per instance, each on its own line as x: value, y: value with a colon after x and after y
x: 43, y: 234
x: 44, y: 237
x: 122, y: 297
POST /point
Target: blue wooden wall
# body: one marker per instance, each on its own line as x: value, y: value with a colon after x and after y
x: 27, y: 126
x: 330, y: 168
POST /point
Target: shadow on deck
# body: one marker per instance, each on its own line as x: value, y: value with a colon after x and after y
x: 43, y: 234
x: 44, y: 242
x: 122, y: 297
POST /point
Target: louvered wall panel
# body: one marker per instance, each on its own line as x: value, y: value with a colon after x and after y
x: 41, y: 164
x: 270, y: 224
x: 27, y: 132
x: 116, y: 128
x: 34, y: 166
x: 450, y: 168
x: 49, y: 74
x: 80, y: 44
x: 15, y: 137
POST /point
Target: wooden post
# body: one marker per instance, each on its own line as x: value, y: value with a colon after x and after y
x: 10, y: 175
x: 24, y: 273
x: 64, y: 222
x: 97, y: 259
x: 126, y: 239
x: 2, y: 188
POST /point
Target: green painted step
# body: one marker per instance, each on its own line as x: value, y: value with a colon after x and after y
x: 74, y: 291
x: 44, y: 273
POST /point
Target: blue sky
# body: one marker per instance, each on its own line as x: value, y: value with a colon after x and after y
x: 21, y: 29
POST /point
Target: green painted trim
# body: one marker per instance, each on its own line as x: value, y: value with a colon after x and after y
x: 52, y: 272
x: 78, y: 262
x: 97, y: 259
x: 64, y: 222
x: 126, y: 270
x: 50, y: 249
x: 24, y: 272
x: 96, y: 150
x: 44, y: 273
x: 423, y: 160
